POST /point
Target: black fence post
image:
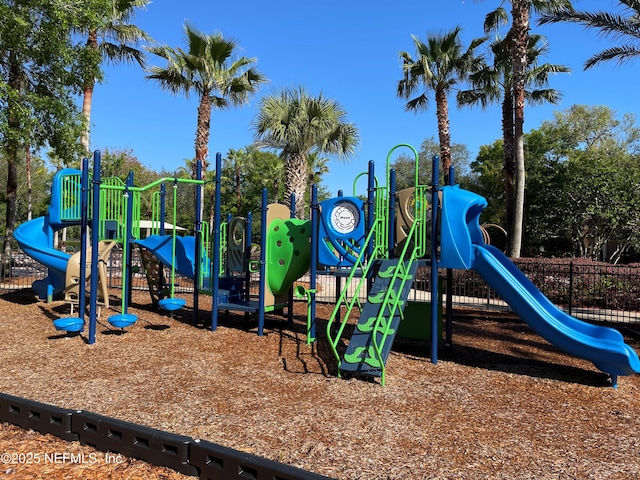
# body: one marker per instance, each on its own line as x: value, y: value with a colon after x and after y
x: 570, y: 287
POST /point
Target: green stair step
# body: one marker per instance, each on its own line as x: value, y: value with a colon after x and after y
x: 360, y: 356
x: 364, y: 354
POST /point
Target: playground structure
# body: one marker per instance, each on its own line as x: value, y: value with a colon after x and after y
x: 109, y: 214
x: 359, y: 241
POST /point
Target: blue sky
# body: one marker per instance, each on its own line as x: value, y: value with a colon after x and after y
x: 348, y: 50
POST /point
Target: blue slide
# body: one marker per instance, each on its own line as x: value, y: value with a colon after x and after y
x: 34, y: 238
x: 462, y: 247
x: 602, y: 346
x: 162, y: 248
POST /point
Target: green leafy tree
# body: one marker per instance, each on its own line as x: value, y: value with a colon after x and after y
x: 264, y: 170
x: 236, y: 161
x: 298, y: 124
x: 405, y: 166
x: 115, y: 40
x: 40, y: 61
x: 440, y: 65
x: 488, y: 181
x: 623, y: 26
x: 584, y: 163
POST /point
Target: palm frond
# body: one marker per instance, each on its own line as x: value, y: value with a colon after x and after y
x: 547, y: 95
x: 495, y: 19
x: 619, y: 54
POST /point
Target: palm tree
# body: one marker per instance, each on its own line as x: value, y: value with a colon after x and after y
x: 207, y: 68
x: 620, y: 26
x: 298, y: 125
x: 440, y: 65
x: 494, y: 83
x: 519, y: 41
x: 113, y: 40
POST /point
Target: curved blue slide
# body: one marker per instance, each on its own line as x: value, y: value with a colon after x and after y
x: 33, y: 237
x: 462, y: 247
x: 602, y: 346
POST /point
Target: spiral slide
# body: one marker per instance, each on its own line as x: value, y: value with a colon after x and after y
x: 33, y: 237
x: 462, y: 247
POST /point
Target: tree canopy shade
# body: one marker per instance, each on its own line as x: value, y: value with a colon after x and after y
x: 440, y: 64
x: 209, y: 68
x: 299, y: 124
x: 582, y: 184
x: 620, y: 26
x: 40, y: 71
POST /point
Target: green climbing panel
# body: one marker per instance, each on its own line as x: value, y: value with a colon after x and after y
x: 288, y: 253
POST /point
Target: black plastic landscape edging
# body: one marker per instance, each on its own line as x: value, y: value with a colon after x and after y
x: 184, y: 454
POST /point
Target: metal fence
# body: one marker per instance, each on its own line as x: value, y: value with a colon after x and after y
x: 586, y: 290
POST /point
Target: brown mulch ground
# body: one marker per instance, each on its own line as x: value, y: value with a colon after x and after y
x: 503, y: 403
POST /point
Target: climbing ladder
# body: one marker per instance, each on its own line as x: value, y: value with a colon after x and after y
x: 391, y: 282
x: 375, y: 331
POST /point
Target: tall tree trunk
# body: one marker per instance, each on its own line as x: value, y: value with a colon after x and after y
x: 86, y: 113
x: 12, y: 150
x: 87, y: 100
x: 296, y: 174
x: 203, y: 130
x: 444, y: 132
x: 509, y: 164
x: 520, y: 32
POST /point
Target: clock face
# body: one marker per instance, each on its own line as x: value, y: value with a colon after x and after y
x: 345, y: 216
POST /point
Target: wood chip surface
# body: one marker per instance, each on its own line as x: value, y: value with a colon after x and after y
x: 502, y: 403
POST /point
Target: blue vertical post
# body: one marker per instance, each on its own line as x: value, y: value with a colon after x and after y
x: 84, y: 218
x: 263, y: 258
x: 434, y: 260
x: 216, y: 246
x: 95, y: 220
x: 198, y: 252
